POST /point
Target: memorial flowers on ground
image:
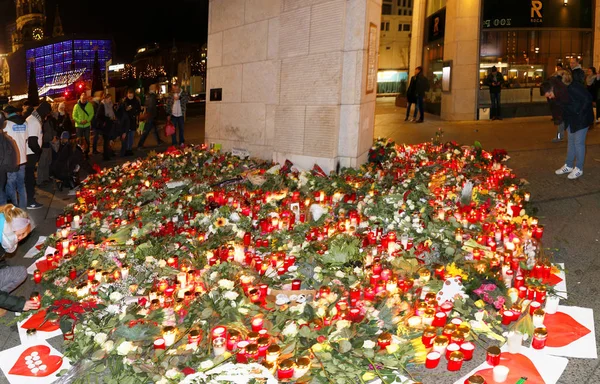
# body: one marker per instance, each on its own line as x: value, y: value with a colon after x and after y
x: 193, y: 260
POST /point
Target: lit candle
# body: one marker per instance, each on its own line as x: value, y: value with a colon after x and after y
x: 302, y: 367
x: 37, y: 276
x: 219, y: 346
x: 286, y: 369
x: 432, y: 360
x: 257, y: 324
x: 455, y: 361
x: 76, y: 221
x: 273, y: 353
x: 538, y: 318
x: 169, y: 334
x: 159, y: 343
x: 467, y: 350
x: 36, y: 299
x: 218, y: 331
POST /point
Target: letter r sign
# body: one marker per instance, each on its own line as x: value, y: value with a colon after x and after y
x: 536, y: 9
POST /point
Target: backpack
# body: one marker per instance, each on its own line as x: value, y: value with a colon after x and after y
x: 8, y: 154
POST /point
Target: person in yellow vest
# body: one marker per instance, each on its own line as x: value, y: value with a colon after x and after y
x: 83, y: 113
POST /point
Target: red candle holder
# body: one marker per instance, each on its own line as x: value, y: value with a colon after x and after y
x: 440, y: 319
x: 492, y: 356
x: 159, y: 343
x: 296, y: 284
x: 432, y: 360
x: 453, y: 347
x: 467, y: 349
x: 507, y: 317
x: 37, y: 276
x: 534, y: 306
x: 455, y: 361
x: 257, y: 324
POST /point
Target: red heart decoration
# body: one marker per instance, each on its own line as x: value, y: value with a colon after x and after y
x: 42, y: 265
x: 519, y: 365
x: 37, y: 322
x: 563, y: 330
x: 553, y: 279
x: 52, y: 363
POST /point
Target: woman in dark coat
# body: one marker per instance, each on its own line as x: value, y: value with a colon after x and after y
x: 578, y: 115
x: 561, y: 98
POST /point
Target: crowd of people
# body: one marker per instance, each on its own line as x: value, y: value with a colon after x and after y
x: 43, y: 143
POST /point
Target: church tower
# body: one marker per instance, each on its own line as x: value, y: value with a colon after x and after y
x: 31, y: 19
x: 57, y: 29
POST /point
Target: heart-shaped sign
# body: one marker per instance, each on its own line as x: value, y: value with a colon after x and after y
x: 36, y: 361
x: 42, y: 265
x: 518, y: 365
x: 37, y: 322
x: 563, y: 330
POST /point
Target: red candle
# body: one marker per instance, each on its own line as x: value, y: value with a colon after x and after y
x: 455, y: 361
x: 432, y: 360
x: 37, y: 276
x: 374, y: 279
x: 539, y: 338
x: 257, y: 324
x: 519, y: 281
x: 263, y: 290
x: 370, y: 294
x: 507, y: 317
x: 241, y: 355
x: 534, y: 306
x: 296, y: 284
x: 247, y: 239
x: 467, y: 350
x: 355, y: 315
x: 440, y: 319
x: 72, y: 273
x: 218, y: 331
x: 451, y: 349
x: 173, y: 262
x: 286, y: 369
x: 522, y: 292
x: 447, y: 307
x: 493, y: 356
x: 91, y: 274
x: 159, y: 343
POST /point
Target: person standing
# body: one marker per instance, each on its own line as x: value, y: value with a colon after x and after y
x: 9, y: 158
x: 421, y: 87
x: 15, y: 225
x: 63, y: 121
x: 577, y: 72
x: 132, y: 110
x: 151, y: 112
x: 578, y: 115
x: 105, y: 124
x: 34, y: 143
x: 83, y: 113
x: 98, y: 97
x: 557, y: 104
x: 49, y: 136
x: 411, y: 96
x: 16, y: 129
x: 176, y: 107
x: 494, y: 82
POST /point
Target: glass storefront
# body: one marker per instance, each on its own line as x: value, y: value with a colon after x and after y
x: 433, y: 54
x: 525, y: 44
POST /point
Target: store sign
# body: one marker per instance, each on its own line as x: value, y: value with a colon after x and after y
x: 436, y: 25
x: 537, y: 14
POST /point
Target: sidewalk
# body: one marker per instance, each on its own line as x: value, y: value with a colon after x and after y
x: 569, y: 209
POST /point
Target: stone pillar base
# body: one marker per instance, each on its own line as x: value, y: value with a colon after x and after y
x: 327, y: 164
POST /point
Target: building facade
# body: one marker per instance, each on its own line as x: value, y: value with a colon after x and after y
x: 394, y: 47
x: 461, y: 40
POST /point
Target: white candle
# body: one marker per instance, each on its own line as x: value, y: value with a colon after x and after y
x: 500, y: 373
x: 76, y: 220
x: 169, y: 336
x: 552, y: 304
x: 514, y: 342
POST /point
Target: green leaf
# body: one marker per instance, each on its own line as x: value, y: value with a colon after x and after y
x: 450, y: 251
x: 345, y: 346
x: 137, y: 333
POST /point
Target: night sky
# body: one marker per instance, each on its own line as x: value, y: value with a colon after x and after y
x: 131, y: 23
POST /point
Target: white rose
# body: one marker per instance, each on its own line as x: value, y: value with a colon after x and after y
x: 206, y: 364
x: 297, y: 308
x: 214, y: 275
x: 162, y: 263
x: 340, y: 274
x: 341, y: 324
x: 124, y: 348
x: 150, y: 260
x: 100, y: 338
x: 290, y: 330
x: 108, y: 346
x: 368, y: 344
x: 318, y: 270
x: 115, y: 296
x: 113, y: 309
x: 172, y: 373
x: 321, y: 312
x: 226, y: 284
x: 162, y: 381
x: 230, y: 295
x: 243, y: 311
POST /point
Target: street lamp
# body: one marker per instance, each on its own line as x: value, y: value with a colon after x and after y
x: 566, y: 2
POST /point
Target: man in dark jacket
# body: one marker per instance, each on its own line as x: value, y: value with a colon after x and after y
x: 132, y: 110
x: 151, y: 113
x: 557, y: 104
x: 577, y: 71
x: 411, y: 95
x: 421, y: 87
x: 494, y: 82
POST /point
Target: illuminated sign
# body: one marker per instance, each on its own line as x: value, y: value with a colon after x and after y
x: 116, y: 67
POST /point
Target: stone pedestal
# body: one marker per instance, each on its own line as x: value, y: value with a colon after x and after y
x: 293, y: 76
x: 461, y: 45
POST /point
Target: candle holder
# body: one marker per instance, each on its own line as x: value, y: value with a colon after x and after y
x: 432, y: 360
x: 455, y: 361
x: 286, y: 369
x: 493, y: 356
x: 539, y: 338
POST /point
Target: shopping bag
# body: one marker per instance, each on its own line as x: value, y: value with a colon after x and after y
x: 169, y: 129
x: 141, y: 127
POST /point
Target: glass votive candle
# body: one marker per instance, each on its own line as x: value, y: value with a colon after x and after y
x: 428, y: 317
x: 257, y: 324
x: 159, y: 343
x: 475, y: 379
x: 467, y: 350
x: 233, y: 337
x: 429, y: 334
x: 552, y: 304
x: 493, y: 356
x: 432, y: 360
x: 538, y: 318
x: 457, y: 337
x: 169, y: 334
x: 447, y: 307
x: 263, y: 344
x: 286, y: 369
x: 539, y: 338
x: 302, y: 367
x: 384, y: 340
x: 500, y: 373
x: 219, y: 346
x: 455, y: 361
x: 241, y: 356
x: 452, y: 347
x: 273, y: 353
x: 440, y: 344
x: 252, y: 352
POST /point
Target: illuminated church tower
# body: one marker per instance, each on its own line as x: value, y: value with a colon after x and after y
x: 31, y: 19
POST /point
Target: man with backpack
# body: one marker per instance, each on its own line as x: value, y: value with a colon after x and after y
x: 15, y: 133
